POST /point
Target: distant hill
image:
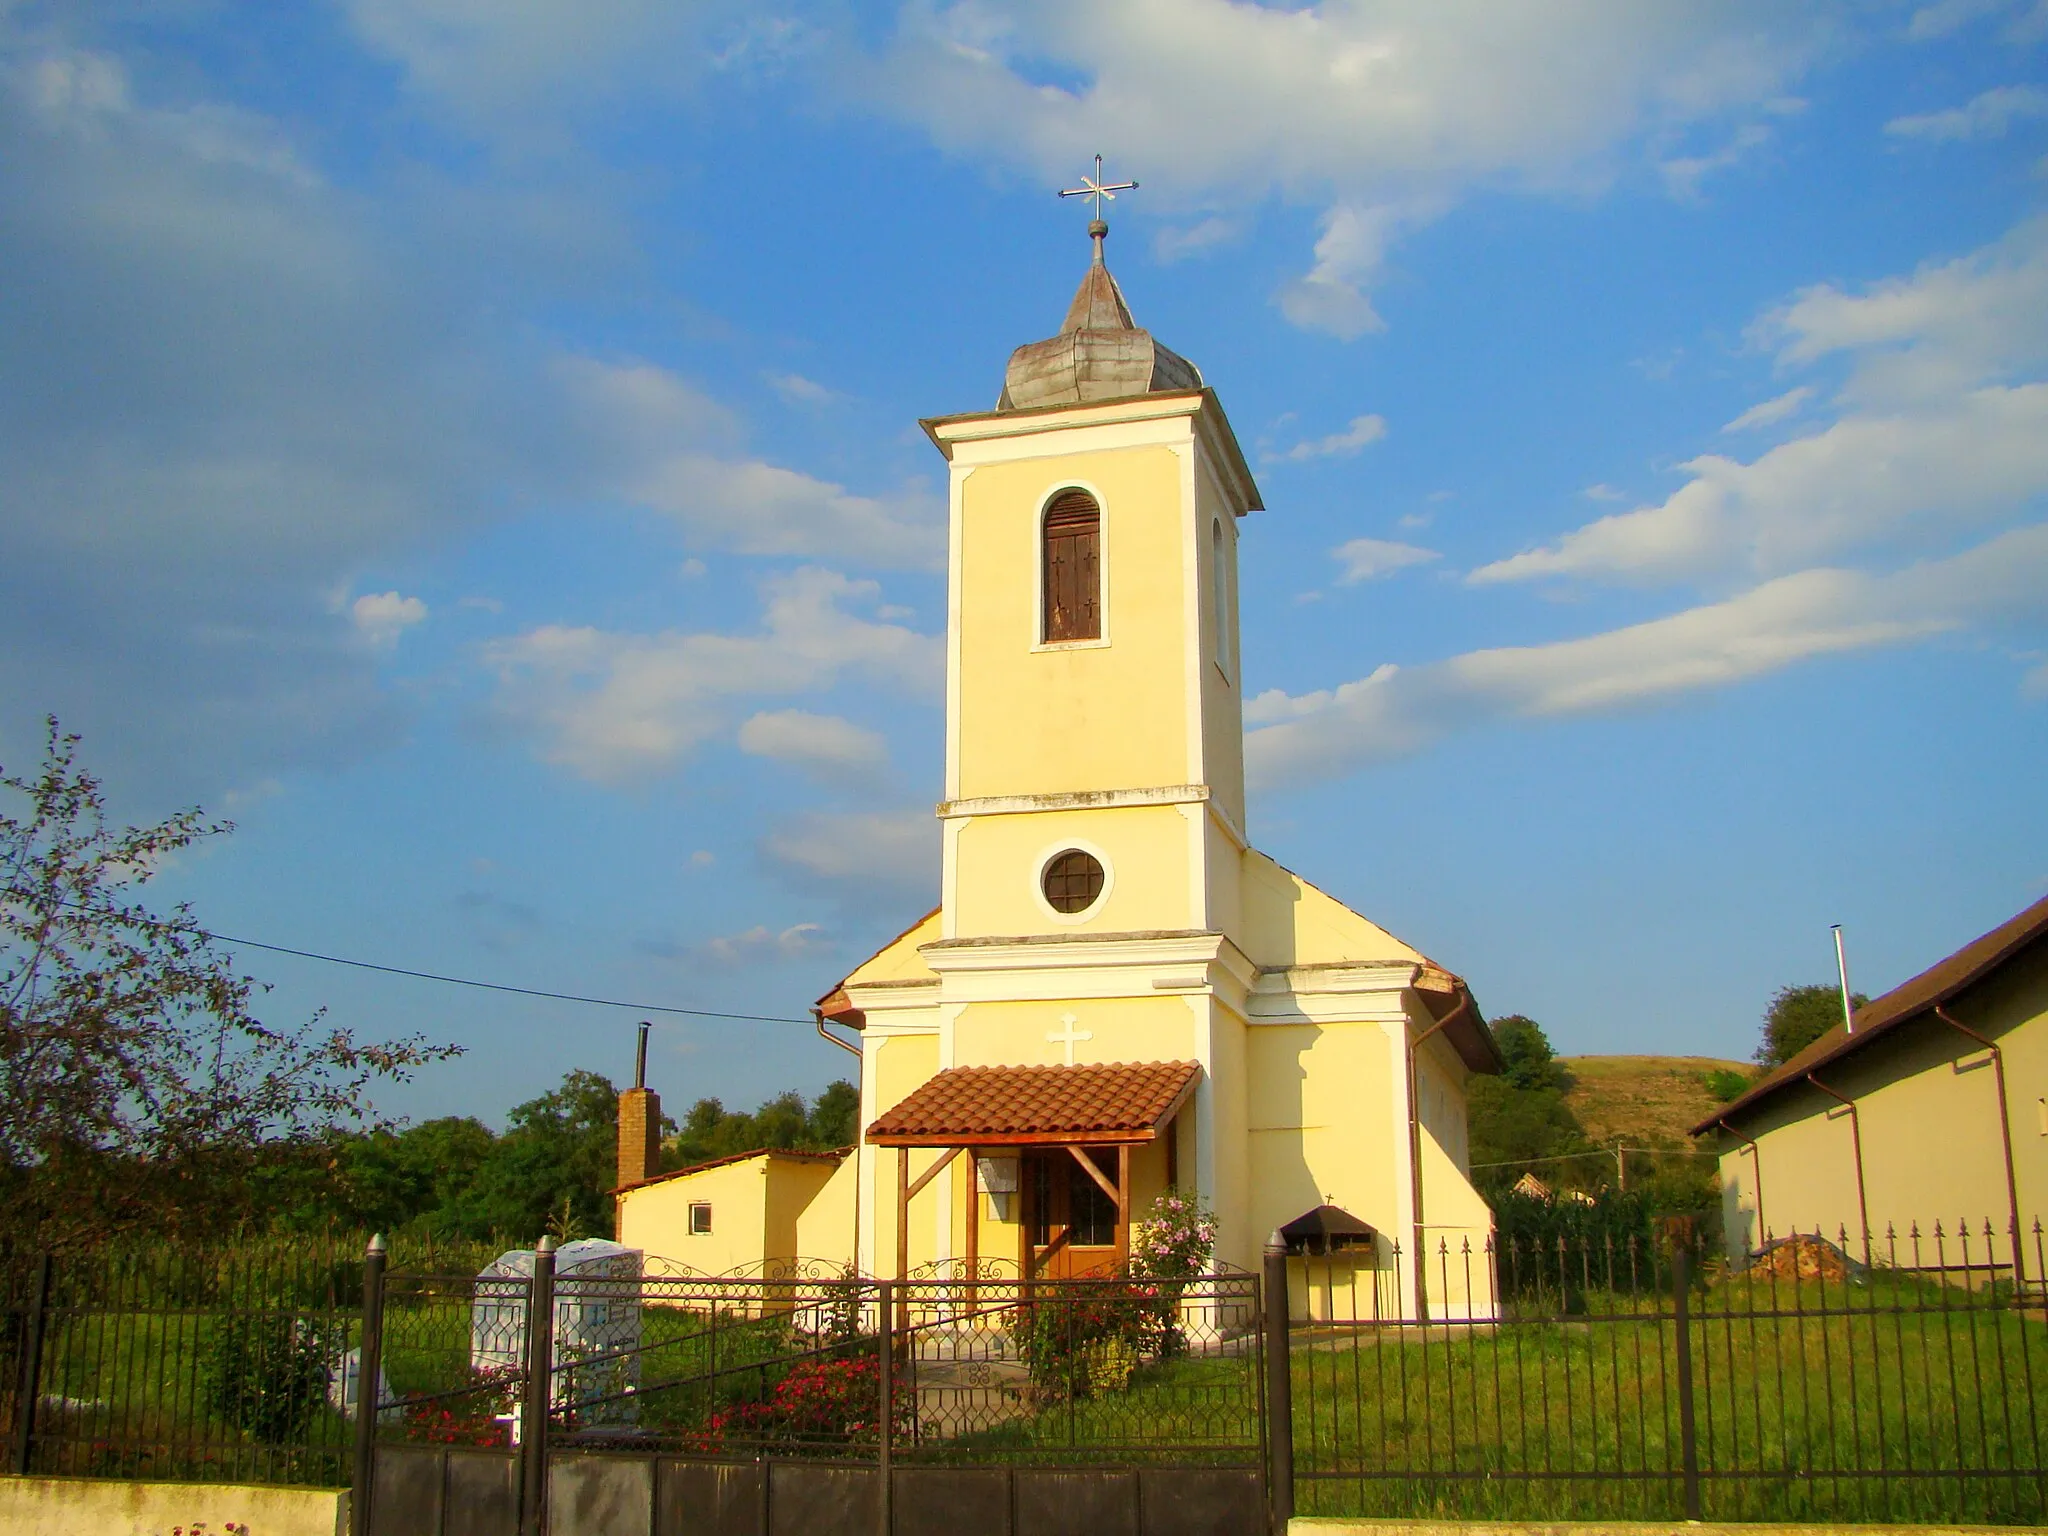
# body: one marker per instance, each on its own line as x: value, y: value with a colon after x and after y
x: 1643, y: 1101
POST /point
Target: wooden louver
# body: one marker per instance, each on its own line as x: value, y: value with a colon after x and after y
x: 1073, y: 568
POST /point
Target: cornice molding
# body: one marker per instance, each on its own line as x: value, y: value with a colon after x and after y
x: 1073, y: 800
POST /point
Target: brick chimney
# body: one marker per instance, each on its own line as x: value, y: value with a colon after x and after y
x: 639, y: 1124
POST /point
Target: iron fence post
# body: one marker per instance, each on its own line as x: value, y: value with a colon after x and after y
x: 886, y: 1352
x: 1279, y: 1388
x: 29, y: 1384
x: 535, y: 1404
x: 369, y: 1394
x: 1688, y: 1437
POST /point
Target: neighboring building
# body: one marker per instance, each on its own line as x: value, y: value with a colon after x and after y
x: 1117, y: 992
x: 746, y: 1214
x: 1933, y: 1109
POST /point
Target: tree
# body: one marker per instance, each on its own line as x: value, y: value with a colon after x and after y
x: 1528, y: 1061
x: 785, y: 1122
x: 1797, y: 1017
x: 1519, y: 1118
x: 136, y: 1081
x: 552, y: 1170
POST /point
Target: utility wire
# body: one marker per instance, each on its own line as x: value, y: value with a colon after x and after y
x: 1608, y: 1152
x: 461, y: 981
x: 498, y: 986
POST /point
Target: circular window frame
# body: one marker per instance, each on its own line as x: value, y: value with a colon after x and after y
x: 1044, y: 862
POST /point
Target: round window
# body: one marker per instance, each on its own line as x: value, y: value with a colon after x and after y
x: 1072, y: 881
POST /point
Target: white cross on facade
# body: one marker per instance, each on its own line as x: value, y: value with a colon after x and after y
x: 1066, y: 1035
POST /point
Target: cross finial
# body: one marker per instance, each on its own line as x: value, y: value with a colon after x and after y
x: 1095, y: 187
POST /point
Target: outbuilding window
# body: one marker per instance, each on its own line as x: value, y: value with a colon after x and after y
x: 1071, y: 578
x: 700, y: 1218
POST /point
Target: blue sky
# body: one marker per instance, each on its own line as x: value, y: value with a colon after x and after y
x: 472, y: 443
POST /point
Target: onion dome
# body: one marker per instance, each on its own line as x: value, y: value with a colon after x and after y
x: 1099, y: 354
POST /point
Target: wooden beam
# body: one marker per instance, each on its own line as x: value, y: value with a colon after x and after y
x: 1123, y: 1204
x: 903, y: 1213
x: 932, y: 1172
x: 973, y: 1229
x: 1096, y: 1173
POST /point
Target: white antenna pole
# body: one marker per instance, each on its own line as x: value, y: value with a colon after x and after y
x: 1842, y: 970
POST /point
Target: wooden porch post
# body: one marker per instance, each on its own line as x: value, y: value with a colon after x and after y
x: 973, y: 1226
x: 1123, y: 1203
x: 903, y: 1213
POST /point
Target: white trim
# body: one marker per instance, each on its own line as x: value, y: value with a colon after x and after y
x: 949, y: 878
x: 1189, y: 513
x: 1052, y: 851
x: 1099, y: 641
x: 1072, y: 800
x: 955, y: 518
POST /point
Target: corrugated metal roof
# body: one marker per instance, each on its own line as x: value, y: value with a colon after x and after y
x: 990, y: 1106
x: 1936, y: 985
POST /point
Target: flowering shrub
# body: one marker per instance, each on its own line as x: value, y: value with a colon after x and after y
x: 1090, y: 1336
x: 474, y: 1417
x: 835, y: 1402
x: 1174, y: 1238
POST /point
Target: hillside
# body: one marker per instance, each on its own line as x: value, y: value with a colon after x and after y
x: 1642, y: 1101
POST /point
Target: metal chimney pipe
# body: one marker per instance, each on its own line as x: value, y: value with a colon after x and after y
x: 1842, y: 970
x: 640, y: 1056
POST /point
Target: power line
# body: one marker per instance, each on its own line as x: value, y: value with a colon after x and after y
x: 498, y: 986
x: 1566, y: 1157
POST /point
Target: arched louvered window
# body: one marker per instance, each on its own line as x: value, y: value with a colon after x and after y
x: 1072, y: 573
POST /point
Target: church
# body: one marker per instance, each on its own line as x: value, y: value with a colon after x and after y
x: 1117, y: 993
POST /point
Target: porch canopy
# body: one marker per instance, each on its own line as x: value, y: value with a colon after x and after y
x: 1120, y: 1104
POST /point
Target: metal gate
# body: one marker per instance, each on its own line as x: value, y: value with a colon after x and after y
x: 644, y: 1400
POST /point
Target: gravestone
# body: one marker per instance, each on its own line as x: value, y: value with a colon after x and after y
x: 597, y: 1325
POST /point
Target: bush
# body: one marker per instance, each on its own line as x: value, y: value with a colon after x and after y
x: 267, y: 1374
x: 828, y: 1401
x: 1089, y: 1337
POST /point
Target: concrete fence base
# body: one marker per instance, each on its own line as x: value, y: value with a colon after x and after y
x: 1306, y: 1525
x: 79, y: 1506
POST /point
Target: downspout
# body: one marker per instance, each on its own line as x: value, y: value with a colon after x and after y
x: 1415, y: 1154
x: 2012, y: 1188
x: 1856, y: 1148
x: 1756, y: 1168
x: 818, y: 1014
x: 825, y: 1034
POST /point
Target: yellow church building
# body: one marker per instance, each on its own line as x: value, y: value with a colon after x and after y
x: 1117, y: 992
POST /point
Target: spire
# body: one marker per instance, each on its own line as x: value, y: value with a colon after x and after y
x: 1100, y: 353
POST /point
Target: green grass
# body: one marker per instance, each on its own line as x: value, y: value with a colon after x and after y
x: 1797, y: 1416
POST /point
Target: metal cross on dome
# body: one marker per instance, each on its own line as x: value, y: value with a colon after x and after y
x: 1095, y: 187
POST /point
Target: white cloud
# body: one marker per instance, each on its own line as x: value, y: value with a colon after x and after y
x: 1396, y: 711
x: 1863, y: 480
x: 1985, y: 116
x: 1769, y: 412
x: 1683, y: 174
x: 1369, y: 108
x: 1331, y: 297
x: 1358, y: 434
x: 1945, y: 16
x: 860, y: 850
x: 381, y: 617
x: 798, y: 390
x: 821, y: 743
x: 703, y: 858
x: 790, y: 943
x: 1176, y: 243
x: 614, y: 706
x: 1603, y: 493
x: 1367, y: 559
x: 655, y: 427
x: 1927, y: 446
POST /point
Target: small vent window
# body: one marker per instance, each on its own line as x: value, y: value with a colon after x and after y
x: 700, y: 1219
x: 1072, y: 575
x: 1072, y: 881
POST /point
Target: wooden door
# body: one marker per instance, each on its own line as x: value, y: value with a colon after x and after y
x: 1070, y: 1221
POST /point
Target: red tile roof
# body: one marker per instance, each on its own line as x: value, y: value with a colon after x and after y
x: 993, y: 1106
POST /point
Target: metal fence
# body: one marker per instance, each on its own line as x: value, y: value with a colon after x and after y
x: 1601, y: 1379
x: 197, y: 1364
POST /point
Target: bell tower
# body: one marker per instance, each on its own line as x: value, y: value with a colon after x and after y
x: 1094, y: 779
